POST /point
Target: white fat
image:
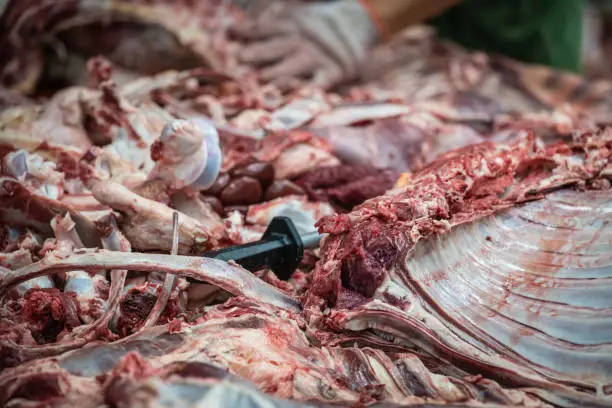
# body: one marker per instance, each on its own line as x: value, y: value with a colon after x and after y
x: 347, y: 115
x: 81, y: 283
x: 394, y: 287
x: 303, y: 214
x: 18, y: 259
x: 43, y: 282
x: 249, y: 119
x: 130, y: 151
x: 303, y: 220
x: 301, y: 158
x: 575, y: 161
x: 50, y: 191
x: 295, y: 114
x: 237, y: 231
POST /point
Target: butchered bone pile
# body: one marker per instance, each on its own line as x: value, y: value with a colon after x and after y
x: 465, y: 201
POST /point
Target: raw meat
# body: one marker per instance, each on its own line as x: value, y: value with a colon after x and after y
x: 457, y: 191
x: 259, y: 342
x: 118, y: 30
x: 417, y: 265
x: 465, y: 198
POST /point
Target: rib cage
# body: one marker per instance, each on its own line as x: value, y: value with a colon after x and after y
x: 534, y: 282
x: 266, y: 345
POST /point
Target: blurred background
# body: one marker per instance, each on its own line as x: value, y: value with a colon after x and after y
x: 45, y: 45
x: 597, y: 38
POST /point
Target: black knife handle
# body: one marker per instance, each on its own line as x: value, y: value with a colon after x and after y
x: 280, y: 249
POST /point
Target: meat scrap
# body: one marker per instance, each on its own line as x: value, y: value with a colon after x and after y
x: 257, y: 342
x: 356, y: 294
x: 396, y: 263
x: 480, y: 278
x: 347, y: 185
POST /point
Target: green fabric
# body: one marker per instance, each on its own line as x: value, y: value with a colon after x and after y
x: 547, y: 32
